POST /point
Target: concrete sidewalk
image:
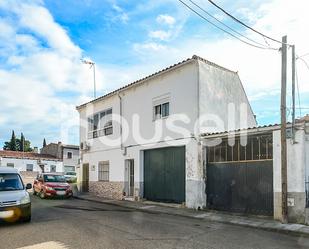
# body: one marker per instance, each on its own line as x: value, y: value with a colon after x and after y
x: 213, y: 216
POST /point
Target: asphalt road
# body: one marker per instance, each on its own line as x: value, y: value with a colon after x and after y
x: 81, y: 224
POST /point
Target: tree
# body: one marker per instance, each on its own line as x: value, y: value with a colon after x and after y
x: 17, y: 144
x: 44, y: 142
x: 22, y: 142
x: 13, y: 144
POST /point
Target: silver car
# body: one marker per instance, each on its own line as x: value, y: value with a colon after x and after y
x: 15, y: 204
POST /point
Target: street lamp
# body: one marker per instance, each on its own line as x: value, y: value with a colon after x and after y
x: 92, y: 65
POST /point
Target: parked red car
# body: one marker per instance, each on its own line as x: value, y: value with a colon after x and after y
x: 51, y: 185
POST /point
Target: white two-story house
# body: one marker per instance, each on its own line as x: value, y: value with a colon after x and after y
x: 142, y: 140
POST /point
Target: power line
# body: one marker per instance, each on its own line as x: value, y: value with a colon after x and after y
x: 303, y: 55
x: 247, y: 26
x: 305, y: 62
x: 203, y: 17
x: 233, y: 30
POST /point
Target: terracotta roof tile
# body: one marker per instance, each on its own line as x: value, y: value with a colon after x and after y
x: 30, y: 155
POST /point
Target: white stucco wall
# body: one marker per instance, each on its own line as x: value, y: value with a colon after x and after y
x: 70, y: 161
x: 307, y: 157
x: 295, y: 162
x: 180, y: 86
x: 218, y: 89
x: 21, y: 164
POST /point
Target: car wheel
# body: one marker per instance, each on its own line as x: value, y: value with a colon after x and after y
x: 42, y: 195
x: 27, y: 219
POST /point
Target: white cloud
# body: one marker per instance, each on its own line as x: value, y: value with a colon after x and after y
x: 42, y: 79
x: 166, y: 19
x: 122, y: 15
x: 259, y: 69
x: 160, y: 34
x: 148, y: 47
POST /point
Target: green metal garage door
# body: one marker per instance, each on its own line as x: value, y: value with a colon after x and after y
x: 164, y: 174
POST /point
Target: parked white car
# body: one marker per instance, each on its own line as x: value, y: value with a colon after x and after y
x: 70, y: 176
x: 15, y: 201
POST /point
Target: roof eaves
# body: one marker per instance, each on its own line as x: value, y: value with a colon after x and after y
x: 250, y: 129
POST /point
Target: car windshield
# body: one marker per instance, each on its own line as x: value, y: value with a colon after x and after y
x: 54, y: 178
x: 10, y: 182
x: 71, y: 173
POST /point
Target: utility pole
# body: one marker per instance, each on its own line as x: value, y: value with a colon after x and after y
x: 293, y: 93
x: 284, y: 188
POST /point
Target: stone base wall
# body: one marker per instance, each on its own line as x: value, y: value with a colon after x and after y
x: 297, y: 213
x: 111, y: 190
x: 28, y: 176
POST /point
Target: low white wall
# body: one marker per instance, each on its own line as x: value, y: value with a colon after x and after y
x: 21, y: 164
x: 296, y: 158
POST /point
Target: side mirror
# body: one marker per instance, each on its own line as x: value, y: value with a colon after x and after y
x: 29, y: 186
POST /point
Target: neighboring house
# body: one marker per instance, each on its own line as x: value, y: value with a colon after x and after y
x: 69, y: 154
x: 29, y: 164
x: 159, y: 169
x: 246, y: 177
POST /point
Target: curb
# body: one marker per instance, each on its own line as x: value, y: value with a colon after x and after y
x: 261, y: 226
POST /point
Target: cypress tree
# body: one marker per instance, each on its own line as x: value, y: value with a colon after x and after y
x: 13, y: 145
x: 22, y: 142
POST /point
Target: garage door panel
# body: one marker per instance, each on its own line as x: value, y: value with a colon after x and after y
x: 245, y: 187
x: 164, y: 174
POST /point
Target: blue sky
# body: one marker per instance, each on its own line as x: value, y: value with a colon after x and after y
x: 41, y: 43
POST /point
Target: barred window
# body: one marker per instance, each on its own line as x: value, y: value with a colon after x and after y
x: 11, y: 165
x: 258, y: 147
x: 29, y: 167
x: 103, y: 171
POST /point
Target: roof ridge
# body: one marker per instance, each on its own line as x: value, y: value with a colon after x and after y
x: 196, y: 57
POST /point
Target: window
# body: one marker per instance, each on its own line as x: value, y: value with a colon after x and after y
x: 162, y: 110
x: 103, y: 171
x: 100, y: 124
x: 165, y: 109
x: 29, y: 167
x: 108, y: 128
x: 258, y: 147
x: 69, y: 155
x: 69, y: 168
x: 10, y: 182
x: 53, y: 168
x: 11, y: 165
x: 54, y: 178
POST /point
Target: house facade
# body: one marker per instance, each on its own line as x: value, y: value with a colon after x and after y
x: 143, y: 140
x: 29, y: 164
x: 69, y: 154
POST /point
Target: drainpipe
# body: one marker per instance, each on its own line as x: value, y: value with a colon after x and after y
x: 120, y: 113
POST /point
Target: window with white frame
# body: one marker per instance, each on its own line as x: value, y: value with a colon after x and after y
x: 11, y: 165
x: 29, y: 167
x: 103, y: 171
x: 161, y: 110
x: 100, y: 124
